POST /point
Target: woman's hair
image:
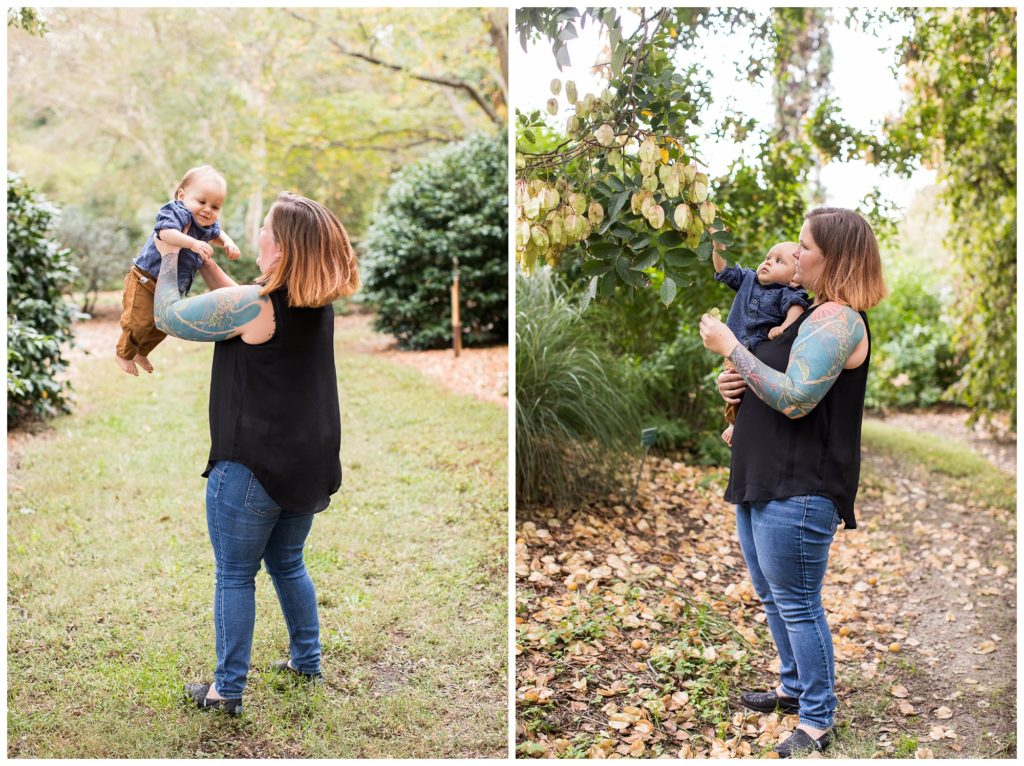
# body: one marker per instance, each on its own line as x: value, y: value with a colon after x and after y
x: 195, y: 174
x: 852, y: 272
x: 317, y: 262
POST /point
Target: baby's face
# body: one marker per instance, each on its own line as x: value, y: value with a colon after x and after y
x: 779, y: 266
x: 204, y: 198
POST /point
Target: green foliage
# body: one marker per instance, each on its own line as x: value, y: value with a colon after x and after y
x: 101, y: 251
x: 912, y: 362
x: 453, y: 204
x: 961, y: 117
x: 577, y: 415
x: 623, y: 197
x: 28, y: 19
x: 668, y: 364
x: 38, y: 318
x: 326, y: 102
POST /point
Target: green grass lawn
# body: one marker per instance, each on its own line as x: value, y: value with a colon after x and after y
x: 110, y: 577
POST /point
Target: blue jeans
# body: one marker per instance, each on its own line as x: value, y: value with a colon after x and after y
x: 785, y: 544
x: 246, y: 527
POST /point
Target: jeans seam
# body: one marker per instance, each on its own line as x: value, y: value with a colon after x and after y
x: 821, y: 639
x: 218, y: 586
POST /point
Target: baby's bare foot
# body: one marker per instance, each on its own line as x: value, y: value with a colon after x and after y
x: 127, y: 365
x: 727, y: 436
x: 144, y: 363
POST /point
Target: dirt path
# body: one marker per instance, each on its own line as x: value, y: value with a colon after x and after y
x: 921, y: 599
x: 928, y: 596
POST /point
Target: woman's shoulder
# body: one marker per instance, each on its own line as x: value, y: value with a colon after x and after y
x: 832, y: 315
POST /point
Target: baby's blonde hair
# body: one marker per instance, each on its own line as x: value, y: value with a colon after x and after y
x: 194, y: 174
x: 792, y: 245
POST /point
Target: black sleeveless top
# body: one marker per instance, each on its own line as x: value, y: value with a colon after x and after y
x: 774, y: 457
x: 274, y: 408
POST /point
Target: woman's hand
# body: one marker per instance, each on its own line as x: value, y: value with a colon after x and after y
x: 731, y: 386
x: 717, y: 336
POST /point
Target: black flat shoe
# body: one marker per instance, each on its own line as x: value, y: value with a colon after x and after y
x: 197, y: 693
x: 766, y: 702
x: 282, y: 666
x: 800, y: 742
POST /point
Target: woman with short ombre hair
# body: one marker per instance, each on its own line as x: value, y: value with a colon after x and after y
x: 275, y: 427
x: 796, y: 456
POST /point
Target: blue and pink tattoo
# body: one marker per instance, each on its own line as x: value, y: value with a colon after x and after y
x: 824, y: 342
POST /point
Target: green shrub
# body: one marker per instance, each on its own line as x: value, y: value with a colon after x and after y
x: 38, y: 317
x: 912, y: 362
x: 577, y: 416
x: 452, y: 204
x: 679, y: 381
x: 669, y: 364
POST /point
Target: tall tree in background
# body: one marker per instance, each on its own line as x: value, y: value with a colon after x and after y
x: 271, y: 99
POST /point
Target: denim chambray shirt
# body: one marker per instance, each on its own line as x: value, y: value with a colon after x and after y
x: 174, y: 215
x: 757, y: 308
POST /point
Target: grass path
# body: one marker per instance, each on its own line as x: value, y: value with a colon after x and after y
x: 637, y: 626
x: 110, y: 576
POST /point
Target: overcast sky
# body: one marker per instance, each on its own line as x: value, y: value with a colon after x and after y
x: 861, y: 81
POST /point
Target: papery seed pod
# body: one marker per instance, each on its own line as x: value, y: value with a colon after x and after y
x: 696, y: 228
x: 532, y: 207
x: 579, y: 203
x: 634, y: 203
x: 595, y: 213
x: 539, y: 236
x: 671, y: 185
x: 556, y: 87
x: 552, y: 106
x: 682, y: 216
x: 689, y: 173
x: 647, y: 203
x: 665, y: 172
x: 648, y: 151
x: 699, y: 190
x: 536, y: 186
x: 584, y: 227
x: 656, y: 216
x: 590, y: 101
x: 650, y: 183
x: 572, y: 226
x: 622, y: 139
x: 614, y: 157
x: 707, y: 212
x: 520, y: 161
x: 550, y: 199
x: 572, y: 125
x: 570, y: 91
x: 604, y: 135
x: 582, y: 109
x: 556, y: 230
x: 647, y: 169
x: 522, y: 234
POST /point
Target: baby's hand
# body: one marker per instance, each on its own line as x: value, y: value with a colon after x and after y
x: 232, y: 251
x: 774, y: 333
x: 203, y: 249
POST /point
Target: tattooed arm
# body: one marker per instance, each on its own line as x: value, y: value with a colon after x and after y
x: 217, y: 315
x: 821, y: 349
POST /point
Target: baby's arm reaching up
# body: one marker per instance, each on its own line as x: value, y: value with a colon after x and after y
x: 716, y: 259
x: 792, y: 315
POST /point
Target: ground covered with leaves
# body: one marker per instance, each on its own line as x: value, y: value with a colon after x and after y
x: 637, y: 625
